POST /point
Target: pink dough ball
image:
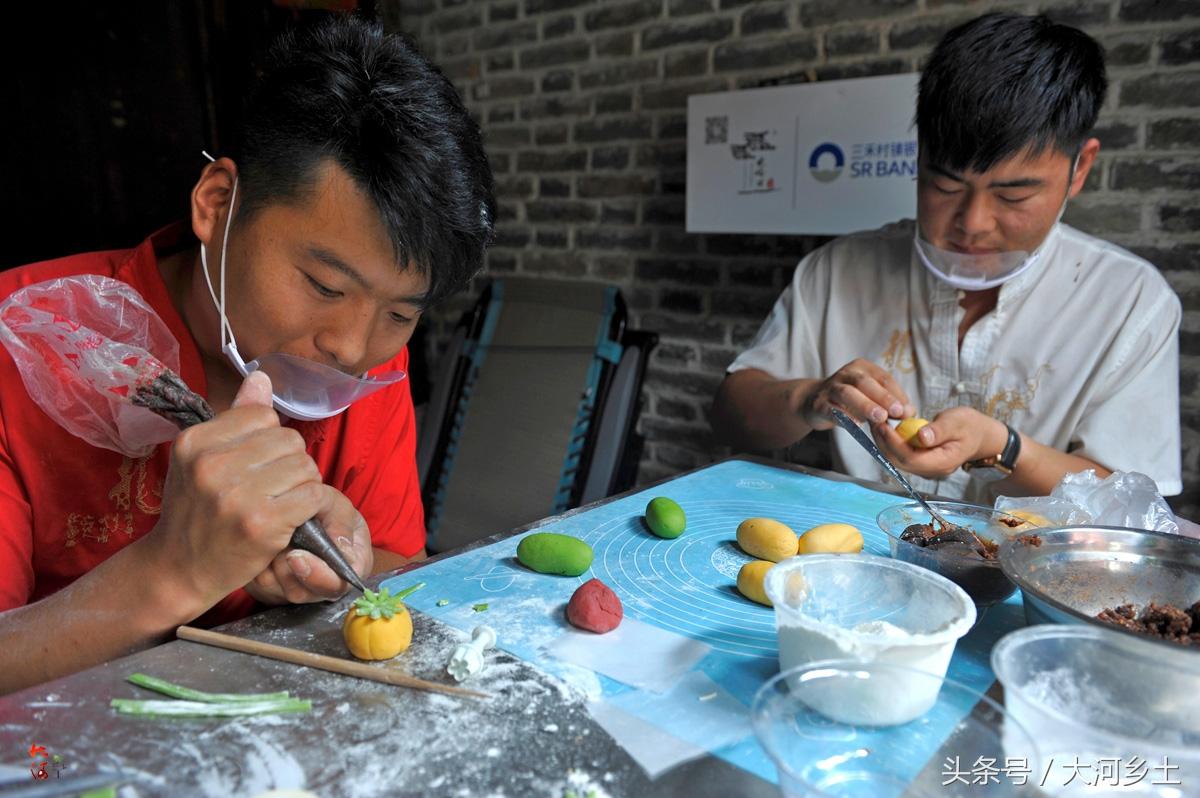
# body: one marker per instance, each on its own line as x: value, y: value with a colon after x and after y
x: 595, y: 607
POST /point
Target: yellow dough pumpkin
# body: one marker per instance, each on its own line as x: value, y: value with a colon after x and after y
x: 377, y: 626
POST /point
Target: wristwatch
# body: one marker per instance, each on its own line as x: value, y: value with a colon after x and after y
x: 998, y: 466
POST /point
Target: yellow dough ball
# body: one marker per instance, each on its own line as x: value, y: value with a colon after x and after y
x: 766, y: 539
x: 831, y: 539
x: 908, y: 429
x: 750, y: 581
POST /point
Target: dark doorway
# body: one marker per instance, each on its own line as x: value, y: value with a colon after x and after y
x: 107, y: 106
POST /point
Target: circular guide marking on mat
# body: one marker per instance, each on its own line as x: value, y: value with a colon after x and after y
x: 687, y: 585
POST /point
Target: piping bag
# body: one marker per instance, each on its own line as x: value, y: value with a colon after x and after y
x: 83, y: 347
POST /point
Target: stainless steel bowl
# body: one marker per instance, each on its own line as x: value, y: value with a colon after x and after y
x: 1078, y: 571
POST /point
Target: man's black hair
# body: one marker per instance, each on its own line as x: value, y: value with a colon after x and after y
x: 347, y: 93
x: 1004, y: 83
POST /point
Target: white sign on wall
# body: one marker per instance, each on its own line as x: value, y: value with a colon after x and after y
x: 815, y: 158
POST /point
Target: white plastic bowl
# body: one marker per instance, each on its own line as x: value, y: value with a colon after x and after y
x: 1096, y: 695
x: 869, y: 609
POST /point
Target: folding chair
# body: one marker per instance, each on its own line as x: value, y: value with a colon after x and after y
x: 534, y: 409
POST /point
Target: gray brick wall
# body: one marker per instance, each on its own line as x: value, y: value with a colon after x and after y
x: 583, y: 106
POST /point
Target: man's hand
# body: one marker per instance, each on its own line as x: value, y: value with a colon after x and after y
x: 236, y: 489
x: 863, y: 389
x: 956, y: 436
x: 298, y: 577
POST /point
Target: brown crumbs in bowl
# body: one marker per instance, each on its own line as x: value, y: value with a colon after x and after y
x: 1163, y: 621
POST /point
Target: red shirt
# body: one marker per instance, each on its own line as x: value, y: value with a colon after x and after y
x: 66, y: 506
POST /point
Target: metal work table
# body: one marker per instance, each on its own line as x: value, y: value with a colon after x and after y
x: 362, y: 738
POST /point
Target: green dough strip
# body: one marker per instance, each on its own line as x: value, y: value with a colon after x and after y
x: 202, y: 709
x: 188, y: 694
x: 408, y: 591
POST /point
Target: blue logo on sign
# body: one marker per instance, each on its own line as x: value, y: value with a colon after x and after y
x: 825, y: 173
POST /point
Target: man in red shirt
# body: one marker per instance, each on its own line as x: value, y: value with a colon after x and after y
x: 360, y: 196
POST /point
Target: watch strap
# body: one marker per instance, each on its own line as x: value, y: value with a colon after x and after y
x: 1012, y: 449
x: 1004, y: 462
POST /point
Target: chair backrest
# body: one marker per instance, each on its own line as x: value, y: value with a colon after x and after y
x: 614, y: 456
x: 439, y: 399
x: 523, y: 409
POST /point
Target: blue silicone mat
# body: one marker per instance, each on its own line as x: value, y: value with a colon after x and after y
x: 686, y: 586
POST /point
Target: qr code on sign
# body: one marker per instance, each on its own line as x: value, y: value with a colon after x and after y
x: 716, y: 130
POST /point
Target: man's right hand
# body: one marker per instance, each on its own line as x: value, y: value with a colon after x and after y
x: 236, y: 489
x: 863, y: 389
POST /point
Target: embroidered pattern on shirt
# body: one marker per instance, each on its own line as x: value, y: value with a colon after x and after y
x: 81, y: 526
x: 1004, y: 404
x: 134, y: 486
x: 899, y: 354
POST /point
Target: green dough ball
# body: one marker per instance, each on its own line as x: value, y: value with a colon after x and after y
x: 551, y: 553
x: 665, y: 518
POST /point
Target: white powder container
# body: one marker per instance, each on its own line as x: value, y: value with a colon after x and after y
x: 868, y: 609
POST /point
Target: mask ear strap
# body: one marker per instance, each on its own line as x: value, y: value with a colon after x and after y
x: 220, y: 303
x: 1071, y: 174
x: 224, y: 244
x: 1070, y: 180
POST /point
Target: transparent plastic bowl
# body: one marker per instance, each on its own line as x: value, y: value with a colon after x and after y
x: 868, y: 609
x: 817, y: 754
x: 983, y: 580
x: 1101, y: 697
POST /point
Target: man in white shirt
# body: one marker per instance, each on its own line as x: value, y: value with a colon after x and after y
x: 1036, y: 350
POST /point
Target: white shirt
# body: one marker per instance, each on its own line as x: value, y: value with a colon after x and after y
x: 1081, y: 352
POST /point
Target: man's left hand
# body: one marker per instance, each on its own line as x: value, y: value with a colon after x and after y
x: 300, y: 577
x: 956, y: 436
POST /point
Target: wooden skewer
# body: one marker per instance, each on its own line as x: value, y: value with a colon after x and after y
x: 319, y: 661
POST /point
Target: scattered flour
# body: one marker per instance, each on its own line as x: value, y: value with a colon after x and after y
x: 365, y: 739
x: 263, y: 765
x: 584, y: 786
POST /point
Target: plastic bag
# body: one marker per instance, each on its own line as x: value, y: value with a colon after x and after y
x: 1124, y: 498
x: 80, y: 344
x: 1044, y: 511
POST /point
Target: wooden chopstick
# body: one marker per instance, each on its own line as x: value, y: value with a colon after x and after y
x: 319, y: 661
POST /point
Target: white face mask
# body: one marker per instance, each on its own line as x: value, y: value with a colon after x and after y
x: 979, y: 272
x: 973, y: 272
x: 301, y: 388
